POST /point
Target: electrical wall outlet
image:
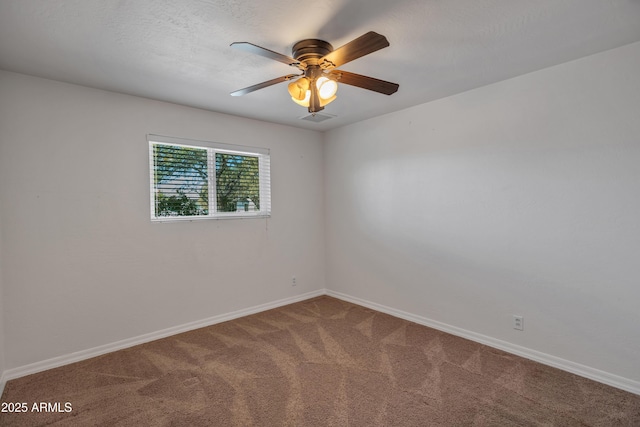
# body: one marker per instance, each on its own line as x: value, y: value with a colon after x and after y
x: 518, y: 322
x: 293, y: 281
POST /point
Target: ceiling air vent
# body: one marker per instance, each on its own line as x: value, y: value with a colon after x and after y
x: 317, y: 117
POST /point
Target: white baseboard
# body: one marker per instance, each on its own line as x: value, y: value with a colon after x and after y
x: 3, y: 381
x: 613, y: 380
x: 130, y: 342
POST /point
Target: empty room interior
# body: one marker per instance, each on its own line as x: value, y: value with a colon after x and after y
x: 471, y: 189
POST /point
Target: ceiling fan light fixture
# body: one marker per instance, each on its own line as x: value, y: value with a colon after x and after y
x: 304, y: 102
x: 298, y: 89
x: 327, y: 88
x: 326, y: 101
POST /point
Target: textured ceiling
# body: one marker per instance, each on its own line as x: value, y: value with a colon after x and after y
x: 178, y: 51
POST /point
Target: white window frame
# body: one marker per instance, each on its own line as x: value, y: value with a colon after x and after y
x: 264, y: 165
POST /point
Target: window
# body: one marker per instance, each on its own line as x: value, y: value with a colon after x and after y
x: 197, y: 179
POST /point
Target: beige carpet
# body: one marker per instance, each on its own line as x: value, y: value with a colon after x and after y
x: 321, y: 362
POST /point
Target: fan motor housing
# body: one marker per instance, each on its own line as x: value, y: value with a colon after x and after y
x: 310, y: 50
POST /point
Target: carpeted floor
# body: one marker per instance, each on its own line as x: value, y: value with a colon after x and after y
x: 320, y: 362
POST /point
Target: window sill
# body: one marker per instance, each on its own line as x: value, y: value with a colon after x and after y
x: 231, y: 215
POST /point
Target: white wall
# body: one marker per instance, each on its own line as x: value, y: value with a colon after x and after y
x: 522, y: 197
x: 83, y: 264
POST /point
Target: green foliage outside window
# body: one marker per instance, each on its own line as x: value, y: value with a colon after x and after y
x: 181, y: 181
x: 237, y: 182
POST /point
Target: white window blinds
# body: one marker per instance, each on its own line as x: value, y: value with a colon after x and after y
x: 197, y: 179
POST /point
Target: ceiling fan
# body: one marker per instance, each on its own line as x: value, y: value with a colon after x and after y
x: 318, y: 83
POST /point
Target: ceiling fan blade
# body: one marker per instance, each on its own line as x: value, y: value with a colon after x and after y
x: 255, y: 49
x: 262, y: 85
x: 365, y: 82
x: 355, y: 49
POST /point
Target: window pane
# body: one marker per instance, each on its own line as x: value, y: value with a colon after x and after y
x: 237, y: 183
x: 180, y: 181
x: 184, y: 185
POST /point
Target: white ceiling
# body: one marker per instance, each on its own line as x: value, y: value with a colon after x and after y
x: 178, y: 50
